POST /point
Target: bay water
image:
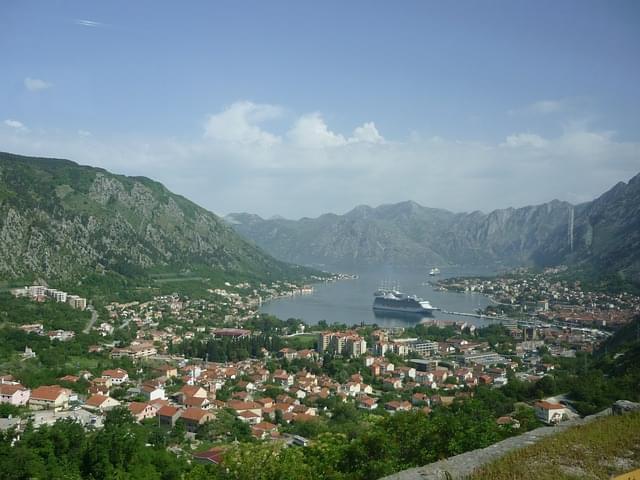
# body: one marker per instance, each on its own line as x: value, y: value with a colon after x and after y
x: 350, y: 301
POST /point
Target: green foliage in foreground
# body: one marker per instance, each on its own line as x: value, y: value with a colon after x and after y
x: 66, y: 451
x: 606, y: 447
x: 125, y: 450
x: 380, y: 448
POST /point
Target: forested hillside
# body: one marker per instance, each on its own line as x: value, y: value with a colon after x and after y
x: 60, y: 221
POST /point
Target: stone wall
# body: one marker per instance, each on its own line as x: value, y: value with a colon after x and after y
x: 463, y: 465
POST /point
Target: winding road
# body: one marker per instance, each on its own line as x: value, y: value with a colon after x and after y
x: 94, y: 317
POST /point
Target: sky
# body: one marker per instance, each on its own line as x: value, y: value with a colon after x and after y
x: 298, y: 108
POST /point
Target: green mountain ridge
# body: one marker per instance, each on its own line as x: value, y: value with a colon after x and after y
x: 60, y: 220
x: 606, y: 235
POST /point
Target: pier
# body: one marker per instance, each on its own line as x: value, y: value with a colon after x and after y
x: 475, y: 315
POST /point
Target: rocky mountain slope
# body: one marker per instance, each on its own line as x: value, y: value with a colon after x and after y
x: 606, y: 234
x: 59, y: 220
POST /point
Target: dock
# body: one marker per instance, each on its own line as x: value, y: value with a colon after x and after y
x: 463, y: 314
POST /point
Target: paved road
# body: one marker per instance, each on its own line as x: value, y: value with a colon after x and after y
x: 49, y: 417
x: 94, y: 317
x: 125, y: 324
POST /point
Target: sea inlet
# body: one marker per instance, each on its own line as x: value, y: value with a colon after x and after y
x: 350, y: 301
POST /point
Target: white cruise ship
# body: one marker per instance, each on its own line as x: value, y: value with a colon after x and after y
x: 395, y: 301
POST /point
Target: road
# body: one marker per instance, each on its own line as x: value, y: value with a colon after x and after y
x: 49, y: 417
x: 94, y: 317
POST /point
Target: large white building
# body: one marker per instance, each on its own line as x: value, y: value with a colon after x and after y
x: 424, y: 348
x: 35, y: 291
x: 342, y: 343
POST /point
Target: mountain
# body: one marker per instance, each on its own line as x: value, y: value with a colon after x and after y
x: 407, y: 234
x: 60, y: 220
x: 606, y: 235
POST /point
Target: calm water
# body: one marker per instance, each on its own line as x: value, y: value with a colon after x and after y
x: 350, y: 301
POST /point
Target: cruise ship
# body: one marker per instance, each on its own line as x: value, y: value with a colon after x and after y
x: 391, y: 300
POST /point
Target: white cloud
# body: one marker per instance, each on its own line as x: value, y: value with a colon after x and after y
x: 525, y: 140
x: 367, y: 133
x: 542, y: 107
x: 16, y: 125
x: 87, y: 23
x: 314, y: 169
x: 311, y: 131
x: 238, y: 124
x: 547, y: 106
x: 84, y: 133
x: 35, y: 84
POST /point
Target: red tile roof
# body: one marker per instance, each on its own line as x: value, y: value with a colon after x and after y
x: 117, y: 373
x: 167, y: 411
x: 8, y: 389
x: 195, y: 414
x: 49, y: 393
x: 137, y: 408
x: 549, y: 406
x: 96, y: 400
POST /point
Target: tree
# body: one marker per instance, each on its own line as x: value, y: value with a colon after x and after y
x: 178, y: 432
x: 8, y: 410
x: 326, y: 455
x: 265, y: 462
x: 545, y: 386
x: 225, y: 426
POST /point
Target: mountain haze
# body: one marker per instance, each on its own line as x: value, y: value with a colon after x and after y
x: 606, y: 235
x: 60, y: 220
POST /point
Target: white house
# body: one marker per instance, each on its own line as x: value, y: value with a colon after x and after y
x: 49, y: 397
x: 117, y: 376
x: 142, y: 411
x: 550, y: 413
x: 101, y: 403
x: 14, y: 394
x: 153, y: 392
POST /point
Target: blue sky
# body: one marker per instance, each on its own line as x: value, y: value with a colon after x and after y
x: 298, y: 108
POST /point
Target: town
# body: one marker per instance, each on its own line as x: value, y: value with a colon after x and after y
x: 543, y: 296
x: 187, y: 365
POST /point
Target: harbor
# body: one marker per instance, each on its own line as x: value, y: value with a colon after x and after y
x: 350, y: 302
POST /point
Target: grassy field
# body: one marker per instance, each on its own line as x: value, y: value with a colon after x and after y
x: 300, y: 342
x: 607, y: 447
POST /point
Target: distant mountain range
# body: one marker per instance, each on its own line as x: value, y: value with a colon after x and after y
x: 60, y: 220
x: 605, y: 235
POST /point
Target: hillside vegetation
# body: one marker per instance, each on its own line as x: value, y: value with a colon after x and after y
x: 61, y: 221
x: 606, y: 447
